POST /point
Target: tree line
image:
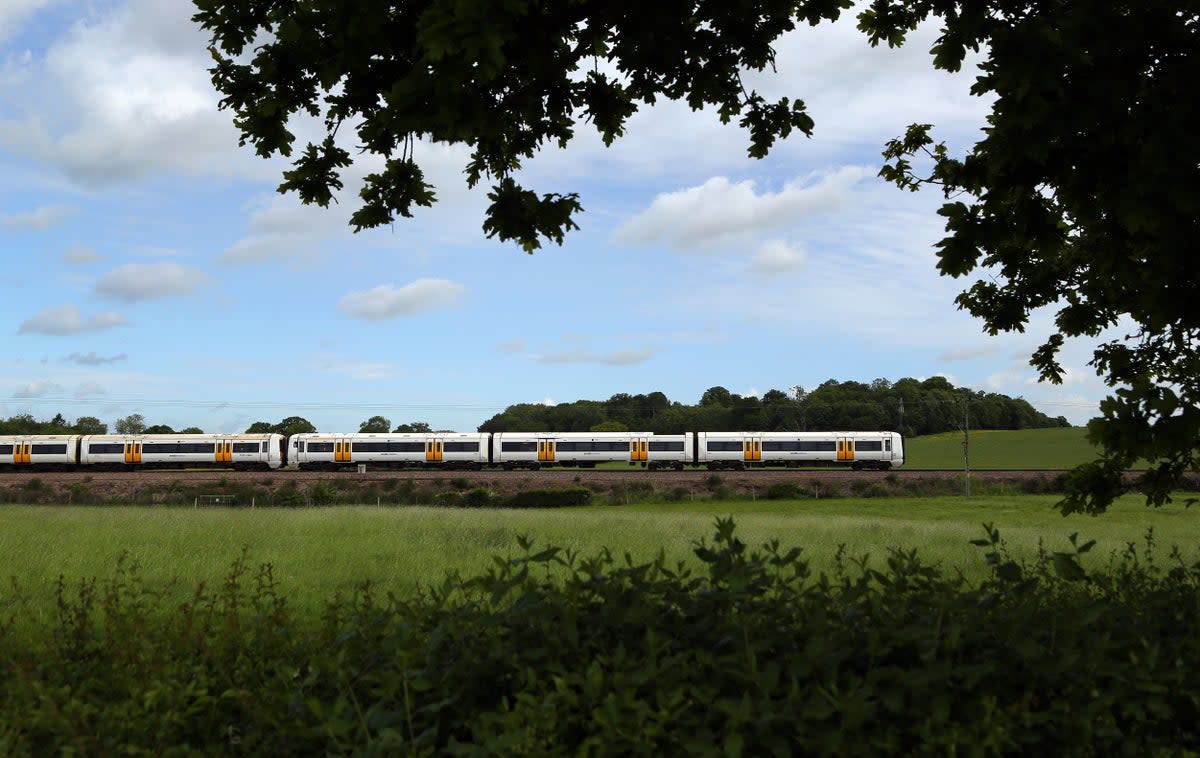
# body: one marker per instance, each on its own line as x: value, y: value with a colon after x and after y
x: 910, y: 406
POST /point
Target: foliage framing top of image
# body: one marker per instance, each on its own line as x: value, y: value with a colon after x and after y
x: 503, y: 78
x: 1082, y: 195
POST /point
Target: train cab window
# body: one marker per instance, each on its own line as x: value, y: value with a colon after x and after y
x: 264, y: 448
x: 887, y: 445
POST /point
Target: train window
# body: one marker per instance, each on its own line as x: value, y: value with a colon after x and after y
x: 666, y: 446
x: 724, y: 446
x: 247, y: 447
x: 462, y: 447
x: 165, y: 448
x: 405, y: 447
x: 264, y: 448
x: 106, y: 448
x: 320, y: 447
x: 6, y: 449
x: 58, y: 449
x: 869, y: 446
x: 518, y: 447
x: 887, y: 445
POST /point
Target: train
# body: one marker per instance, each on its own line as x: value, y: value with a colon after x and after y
x: 880, y: 450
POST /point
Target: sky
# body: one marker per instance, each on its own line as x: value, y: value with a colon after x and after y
x: 151, y: 267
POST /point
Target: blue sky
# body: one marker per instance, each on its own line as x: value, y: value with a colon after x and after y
x: 150, y: 266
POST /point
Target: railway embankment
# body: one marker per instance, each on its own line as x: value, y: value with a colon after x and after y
x: 416, y: 487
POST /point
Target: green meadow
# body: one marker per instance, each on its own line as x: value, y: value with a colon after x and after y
x: 1024, y: 449
x: 317, y: 552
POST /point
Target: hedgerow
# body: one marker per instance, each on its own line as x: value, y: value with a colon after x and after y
x: 552, y: 653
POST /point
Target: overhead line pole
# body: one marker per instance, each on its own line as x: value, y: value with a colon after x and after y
x: 966, y: 450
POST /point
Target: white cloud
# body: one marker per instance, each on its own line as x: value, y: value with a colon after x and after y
x: 360, y: 370
x: 718, y: 211
x: 37, y: 220
x: 776, y: 257
x: 388, y: 301
x: 13, y: 13
x: 37, y: 389
x: 514, y: 346
x: 79, y: 254
x: 135, y: 282
x: 971, y: 353
x: 92, y: 359
x: 125, y: 95
x: 623, y: 357
x: 89, y: 389
x: 282, y: 228
x: 66, y: 319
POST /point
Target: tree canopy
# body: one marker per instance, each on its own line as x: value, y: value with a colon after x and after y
x: 909, y: 406
x: 1081, y: 196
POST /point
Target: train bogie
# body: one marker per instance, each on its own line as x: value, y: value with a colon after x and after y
x: 586, y: 449
x: 391, y: 450
x: 182, y: 450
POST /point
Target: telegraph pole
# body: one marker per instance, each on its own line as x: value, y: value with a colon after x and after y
x: 966, y: 450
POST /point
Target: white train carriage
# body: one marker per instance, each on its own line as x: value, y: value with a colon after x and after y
x: 239, y: 451
x: 39, y: 450
x: 857, y: 450
x: 586, y: 449
x: 391, y: 450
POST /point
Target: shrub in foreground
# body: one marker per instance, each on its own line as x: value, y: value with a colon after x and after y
x: 550, y: 653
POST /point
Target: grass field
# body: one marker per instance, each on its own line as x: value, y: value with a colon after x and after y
x: 1023, y: 449
x: 319, y: 551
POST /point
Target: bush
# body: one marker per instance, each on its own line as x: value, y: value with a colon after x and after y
x: 552, y: 653
x: 784, y: 491
x: 479, y: 497
x: 322, y: 493
x: 560, y: 498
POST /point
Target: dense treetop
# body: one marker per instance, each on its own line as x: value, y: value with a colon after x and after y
x: 909, y: 406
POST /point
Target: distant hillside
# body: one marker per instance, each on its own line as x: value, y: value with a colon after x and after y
x: 1002, y: 449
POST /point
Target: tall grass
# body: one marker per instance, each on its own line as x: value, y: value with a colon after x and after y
x: 317, y: 552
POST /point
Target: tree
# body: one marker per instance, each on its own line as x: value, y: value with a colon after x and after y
x: 293, y: 425
x: 416, y: 427
x: 501, y: 78
x: 159, y: 429
x: 1080, y: 198
x: 90, y: 425
x: 260, y: 427
x: 375, y: 424
x: 191, y: 430
x: 609, y: 426
x: 131, y: 424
